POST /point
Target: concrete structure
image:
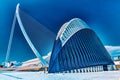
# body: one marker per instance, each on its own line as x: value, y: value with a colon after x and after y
x: 32, y: 31
x: 117, y: 62
x: 34, y: 64
x: 30, y: 65
x: 77, y: 48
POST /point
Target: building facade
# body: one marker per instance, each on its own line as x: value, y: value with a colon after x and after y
x: 77, y: 48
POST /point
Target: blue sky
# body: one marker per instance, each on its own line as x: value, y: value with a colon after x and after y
x: 103, y: 16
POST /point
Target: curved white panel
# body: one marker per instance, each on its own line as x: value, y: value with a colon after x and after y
x: 69, y: 28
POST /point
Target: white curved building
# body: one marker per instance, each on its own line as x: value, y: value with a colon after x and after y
x: 77, y: 48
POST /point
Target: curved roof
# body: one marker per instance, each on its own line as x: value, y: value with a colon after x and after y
x: 69, y: 28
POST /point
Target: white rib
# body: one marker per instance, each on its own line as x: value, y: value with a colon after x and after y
x: 28, y: 39
x: 10, y: 39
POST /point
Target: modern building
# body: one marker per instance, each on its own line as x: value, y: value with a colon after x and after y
x: 35, y: 34
x: 77, y: 48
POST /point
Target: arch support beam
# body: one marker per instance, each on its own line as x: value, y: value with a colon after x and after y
x: 27, y: 37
